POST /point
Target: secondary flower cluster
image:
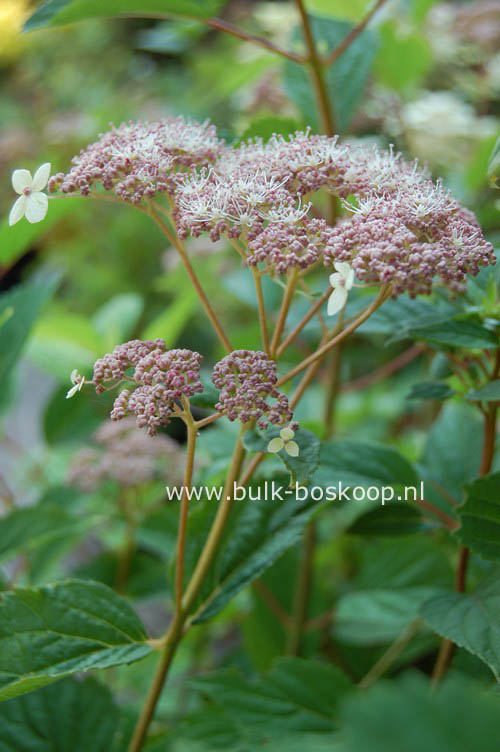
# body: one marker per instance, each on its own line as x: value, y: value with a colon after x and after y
x: 246, y: 379
x: 161, y: 377
x: 399, y: 226
x: 138, y: 160
x: 127, y: 456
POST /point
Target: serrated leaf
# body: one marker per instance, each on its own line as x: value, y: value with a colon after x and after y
x: 296, y: 696
x: 471, y: 335
x: 50, y: 632
x: 265, y: 530
x: 345, y: 79
x: 470, y: 619
x: 480, y: 517
x: 488, y: 393
x: 56, y: 12
x: 57, y: 717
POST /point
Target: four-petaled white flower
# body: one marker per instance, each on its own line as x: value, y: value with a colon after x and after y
x: 77, y: 381
x: 32, y: 203
x: 341, y: 281
x: 284, y: 441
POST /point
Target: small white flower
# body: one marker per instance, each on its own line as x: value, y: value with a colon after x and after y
x: 77, y: 381
x: 32, y: 203
x: 284, y: 441
x: 341, y: 281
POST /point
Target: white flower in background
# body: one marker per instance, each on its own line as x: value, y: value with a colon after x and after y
x: 341, y: 281
x: 77, y: 381
x: 284, y: 441
x: 32, y: 203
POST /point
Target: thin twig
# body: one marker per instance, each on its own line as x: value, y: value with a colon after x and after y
x: 262, y: 310
x: 229, y: 28
x: 339, y: 50
x: 305, y: 320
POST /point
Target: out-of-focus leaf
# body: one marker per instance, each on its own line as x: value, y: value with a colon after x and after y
x: 56, y: 12
x: 49, y: 632
x: 431, y: 390
x: 265, y: 127
x: 24, y: 529
x: 494, y: 164
x: 403, y: 58
x: 378, y: 616
x: 469, y: 334
x: 457, y: 717
x: 480, y: 517
x: 19, y: 309
x: 470, y: 619
x: 116, y: 319
x: 60, y: 716
x: 71, y: 421
x: 394, y: 518
x: 346, y: 78
x: 488, y: 393
x: 169, y: 324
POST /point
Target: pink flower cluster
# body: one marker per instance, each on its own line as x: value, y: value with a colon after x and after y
x: 126, y: 456
x: 138, y: 160
x: 401, y: 227
x: 246, y: 379
x: 161, y: 377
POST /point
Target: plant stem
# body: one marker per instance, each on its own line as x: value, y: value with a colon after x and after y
x: 285, y: 307
x: 177, y: 243
x: 381, y: 297
x: 217, y: 530
x: 228, y: 28
x: 302, y: 592
x: 171, y: 641
x: 392, y: 366
x: 333, y: 391
x: 349, y: 39
x: 192, y: 431
x: 314, y: 60
x: 309, y: 315
x: 391, y: 654
x: 262, y: 311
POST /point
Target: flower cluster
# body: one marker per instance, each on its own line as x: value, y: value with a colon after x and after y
x: 246, y: 379
x: 161, y: 377
x: 125, y: 455
x: 400, y: 227
x: 138, y: 160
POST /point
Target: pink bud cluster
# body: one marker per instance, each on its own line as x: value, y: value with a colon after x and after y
x: 137, y: 160
x: 161, y: 378
x: 282, y: 245
x: 126, y: 456
x: 246, y: 379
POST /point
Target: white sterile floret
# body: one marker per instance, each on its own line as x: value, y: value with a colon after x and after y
x: 284, y: 441
x: 77, y: 381
x: 341, y: 281
x: 32, y: 203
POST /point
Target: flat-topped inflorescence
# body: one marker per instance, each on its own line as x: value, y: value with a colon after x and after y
x: 137, y: 160
x: 246, y: 379
x: 161, y: 377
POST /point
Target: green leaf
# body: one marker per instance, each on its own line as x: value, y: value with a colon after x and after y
x: 57, y: 717
x: 488, y: 393
x: 480, y: 517
x: 19, y: 309
x: 265, y: 127
x: 296, y: 696
x: 71, y: 421
x: 263, y: 531
x: 363, y: 463
x: 301, y: 467
x: 468, y: 334
x: 431, y: 390
x: 378, y: 616
x: 403, y: 59
x: 115, y: 320
x: 56, y: 12
x: 470, y: 620
x: 458, y: 716
x: 170, y: 324
x: 49, y: 632
x: 345, y: 79
x: 25, y: 529
x: 392, y: 519
x: 494, y: 164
